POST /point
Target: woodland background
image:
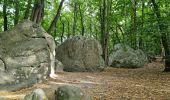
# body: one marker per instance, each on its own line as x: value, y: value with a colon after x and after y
x: 141, y: 24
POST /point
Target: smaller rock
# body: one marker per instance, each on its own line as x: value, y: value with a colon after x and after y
x: 67, y: 92
x: 37, y: 94
x: 151, y: 56
x: 58, y: 66
x: 125, y: 57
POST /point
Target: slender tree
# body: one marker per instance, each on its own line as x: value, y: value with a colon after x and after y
x: 134, y: 26
x: 91, y: 26
x: 75, y: 17
x: 142, y: 26
x: 38, y: 11
x: 63, y: 30
x: 163, y: 31
x: 5, y: 15
x: 104, y: 33
x: 82, y: 21
x: 108, y: 16
x: 16, y: 12
x: 50, y: 29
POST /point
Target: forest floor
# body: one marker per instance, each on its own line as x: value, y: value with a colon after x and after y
x: 148, y: 83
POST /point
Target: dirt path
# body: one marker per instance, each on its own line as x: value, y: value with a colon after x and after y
x: 148, y: 83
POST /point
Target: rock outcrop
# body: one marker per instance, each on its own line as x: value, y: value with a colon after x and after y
x: 67, y: 92
x: 37, y: 94
x: 25, y: 55
x: 125, y: 57
x: 80, y: 54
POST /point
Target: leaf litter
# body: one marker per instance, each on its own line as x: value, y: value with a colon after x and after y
x: 147, y: 83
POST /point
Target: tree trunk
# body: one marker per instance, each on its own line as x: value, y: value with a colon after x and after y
x: 96, y: 31
x: 5, y: 15
x: 163, y: 30
x: 68, y: 28
x: 62, y: 34
x: 116, y: 33
x: 55, y: 30
x: 82, y: 21
x: 104, y: 33
x: 108, y: 13
x: 38, y: 11
x: 135, y: 34
x: 55, y: 18
x: 142, y: 26
x: 125, y: 25
x: 75, y: 18
x: 90, y: 26
x: 27, y: 11
x: 131, y: 33
x: 16, y: 12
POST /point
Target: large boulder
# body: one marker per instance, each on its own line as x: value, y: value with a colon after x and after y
x: 126, y: 57
x: 37, y: 94
x: 24, y: 56
x: 80, y: 54
x: 67, y: 92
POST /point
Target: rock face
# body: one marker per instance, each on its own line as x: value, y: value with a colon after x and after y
x: 80, y: 54
x: 126, y: 57
x: 37, y: 94
x: 70, y: 93
x: 24, y: 56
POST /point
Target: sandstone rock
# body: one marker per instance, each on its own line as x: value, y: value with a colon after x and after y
x: 126, y: 57
x: 37, y: 94
x: 58, y: 66
x: 80, y: 54
x: 70, y: 93
x: 24, y: 56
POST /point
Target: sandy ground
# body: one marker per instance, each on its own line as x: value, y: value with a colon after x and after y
x: 148, y: 83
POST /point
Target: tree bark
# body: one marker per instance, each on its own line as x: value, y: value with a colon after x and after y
x: 108, y: 16
x: 68, y: 28
x: 104, y: 32
x: 62, y: 34
x: 75, y: 18
x: 16, y: 12
x: 38, y: 11
x: 142, y: 26
x: 135, y: 26
x: 163, y: 30
x: 91, y: 26
x: 27, y: 11
x: 96, y: 32
x: 82, y: 21
x: 135, y: 34
x: 55, y: 18
x: 5, y: 15
x: 125, y: 25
